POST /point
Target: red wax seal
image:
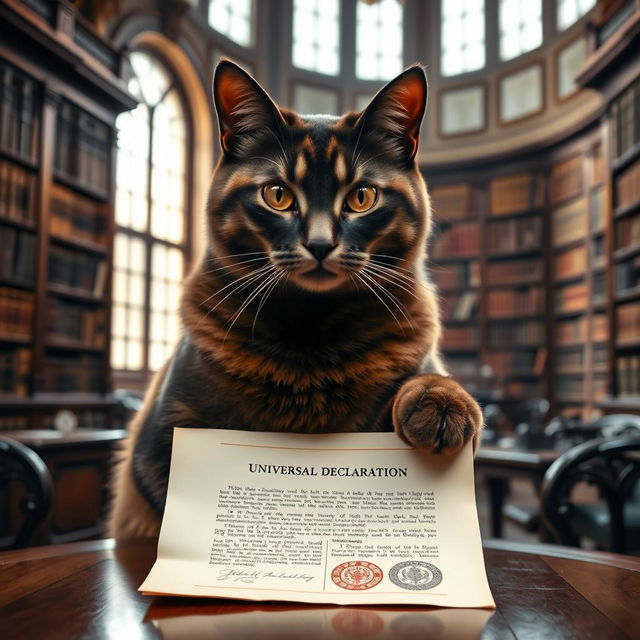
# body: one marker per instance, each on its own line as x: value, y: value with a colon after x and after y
x: 357, y: 575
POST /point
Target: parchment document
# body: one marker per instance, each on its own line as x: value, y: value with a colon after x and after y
x: 334, y: 518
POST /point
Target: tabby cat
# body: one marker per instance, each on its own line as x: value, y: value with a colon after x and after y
x: 311, y: 311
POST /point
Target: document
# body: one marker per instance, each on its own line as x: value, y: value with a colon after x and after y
x: 334, y: 518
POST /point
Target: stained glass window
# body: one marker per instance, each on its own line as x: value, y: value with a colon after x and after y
x: 150, y: 217
x: 570, y: 11
x: 379, y: 40
x: 462, y: 36
x: 316, y: 35
x: 232, y: 18
x: 520, y: 27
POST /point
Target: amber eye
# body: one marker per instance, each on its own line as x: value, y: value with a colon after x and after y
x: 278, y: 197
x: 362, y: 199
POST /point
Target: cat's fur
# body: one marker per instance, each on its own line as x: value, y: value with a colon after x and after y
x: 352, y: 346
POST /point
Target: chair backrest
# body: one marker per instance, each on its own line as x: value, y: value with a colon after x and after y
x: 613, y: 466
x: 616, y: 425
x: 21, y: 466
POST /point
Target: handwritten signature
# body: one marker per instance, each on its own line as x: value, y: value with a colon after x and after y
x: 249, y: 577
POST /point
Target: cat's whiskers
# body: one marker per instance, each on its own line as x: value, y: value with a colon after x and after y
x: 373, y: 270
x: 251, y: 276
x: 409, y: 280
x: 265, y: 297
x: 401, y: 308
x: 235, y: 266
x: 359, y: 276
x: 267, y: 280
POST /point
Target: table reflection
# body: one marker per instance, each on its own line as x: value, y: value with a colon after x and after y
x: 278, y: 622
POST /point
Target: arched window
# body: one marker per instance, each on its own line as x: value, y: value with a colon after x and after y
x: 151, y: 214
x: 461, y: 36
x: 316, y: 35
x: 233, y: 18
x: 570, y: 11
x: 379, y: 47
x: 520, y: 27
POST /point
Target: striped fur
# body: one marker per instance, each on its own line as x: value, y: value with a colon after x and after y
x: 279, y: 338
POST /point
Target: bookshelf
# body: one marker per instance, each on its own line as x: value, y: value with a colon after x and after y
x: 60, y: 93
x: 455, y: 267
x: 625, y: 261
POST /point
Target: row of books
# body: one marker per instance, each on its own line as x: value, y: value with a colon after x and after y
x: 628, y: 322
x: 570, y: 358
x: 628, y: 375
x: 575, y: 330
x: 628, y: 231
x: 526, y: 333
x: 628, y: 186
x: 457, y: 275
x: 569, y: 222
x: 515, y: 234
x: 17, y: 193
x: 15, y: 368
x: 507, y: 303
x: 569, y: 385
x: 75, y: 216
x: 460, y: 337
x: 13, y: 422
x: 17, y: 255
x: 83, y: 147
x: 516, y: 193
x: 566, y: 180
x: 78, y: 374
x: 508, y: 363
x: 451, y: 202
x: 571, y: 263
x: 19, y: 112
x: 77, y: 270
x: 573, y: 297
x: 16, y: 312
x: 600, y: 355
x: 69, y: 322
x: 515, y: 272
x: 459, y: 240
x: 626, y: 115
x: 628, y: 275
x: 460, y: 307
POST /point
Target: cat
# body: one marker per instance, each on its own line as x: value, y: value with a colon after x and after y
x: 311, y: 311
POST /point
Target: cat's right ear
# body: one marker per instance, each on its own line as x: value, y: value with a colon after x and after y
x: 243, y: 107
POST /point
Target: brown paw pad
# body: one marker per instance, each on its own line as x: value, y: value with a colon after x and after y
x: 436, y: 413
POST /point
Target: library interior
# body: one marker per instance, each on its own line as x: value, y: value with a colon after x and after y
x: 530, y: 147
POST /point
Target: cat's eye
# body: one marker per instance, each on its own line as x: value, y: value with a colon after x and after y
x: 361, y: 199
x: 278, y: 197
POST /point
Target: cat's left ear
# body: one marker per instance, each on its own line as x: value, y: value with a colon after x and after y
x: 398, y: 108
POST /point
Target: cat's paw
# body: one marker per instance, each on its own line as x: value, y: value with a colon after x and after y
x: 434, y: 412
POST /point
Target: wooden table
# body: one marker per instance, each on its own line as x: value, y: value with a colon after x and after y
x: 89, y: 590
x: 497, y: 466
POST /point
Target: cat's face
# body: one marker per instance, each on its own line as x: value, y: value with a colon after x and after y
x: 325, y: 203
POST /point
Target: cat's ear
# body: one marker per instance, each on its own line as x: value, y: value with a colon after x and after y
x: 398, y: 108
x: 243, y: 106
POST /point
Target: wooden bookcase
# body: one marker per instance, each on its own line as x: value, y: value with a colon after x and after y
x: 553, y: 303
x: 60, y: 93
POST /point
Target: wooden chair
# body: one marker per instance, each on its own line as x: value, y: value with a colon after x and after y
x: 613, y: 467
x: 24, y: 474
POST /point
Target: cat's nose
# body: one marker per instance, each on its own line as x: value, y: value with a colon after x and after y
x: 320, y: 248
